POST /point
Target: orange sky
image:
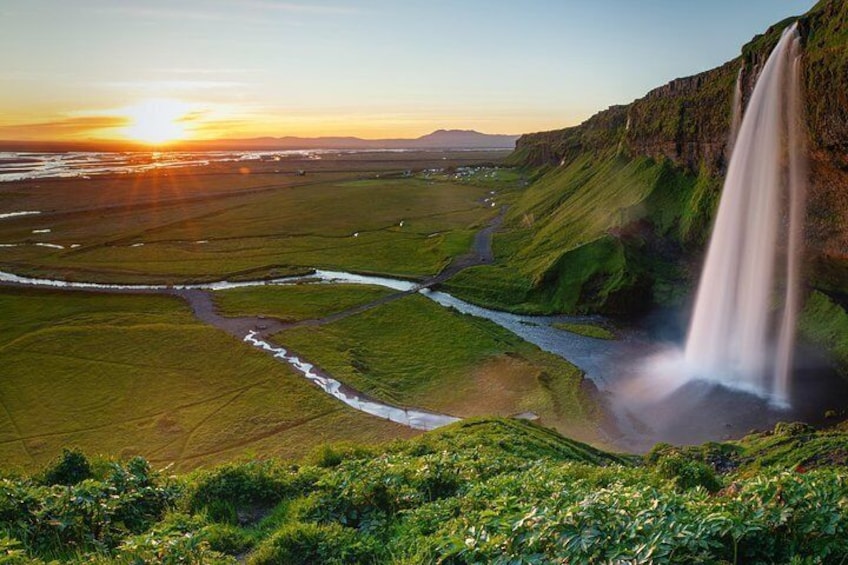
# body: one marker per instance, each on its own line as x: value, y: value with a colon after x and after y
x: 202, y: 69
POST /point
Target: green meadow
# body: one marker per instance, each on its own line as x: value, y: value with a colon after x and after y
x: 123, y: 375
x: 571, y: 240
x: 294, y: 303
x: 415, y: 352
x: 194, y: 227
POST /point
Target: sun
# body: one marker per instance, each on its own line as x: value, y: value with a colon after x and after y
x: 157, y: 121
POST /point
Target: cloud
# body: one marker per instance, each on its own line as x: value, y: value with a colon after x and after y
x: 62, y: 128
x: 220, y: 126
x: 226, y: 10
x: 172, y: 85
x: 205, y: 71
x: 298, y: 7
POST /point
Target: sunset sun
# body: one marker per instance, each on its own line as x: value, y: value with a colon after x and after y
x: 157, y: 121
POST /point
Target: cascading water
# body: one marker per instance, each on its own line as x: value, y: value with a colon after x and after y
x: 730, y: 335
x: 736, y: 116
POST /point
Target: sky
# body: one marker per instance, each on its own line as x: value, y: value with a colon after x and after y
x: 158, y: 70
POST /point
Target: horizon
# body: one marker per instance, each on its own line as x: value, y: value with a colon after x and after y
x: 159, y: 75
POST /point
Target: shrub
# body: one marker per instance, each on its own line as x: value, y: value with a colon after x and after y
x: 89, y: 515
x: 687, y: 473
x: 227, y: 539
x: 70, y: 468
x: 658, y: 451
x: 792, y: 428
x: 328, y: 455
x: 169, y: 548
x: 308, y: 544
x: 226, y: 490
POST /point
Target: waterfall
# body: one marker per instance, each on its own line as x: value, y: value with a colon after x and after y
x: 731, y: 335
x: 736, y: 116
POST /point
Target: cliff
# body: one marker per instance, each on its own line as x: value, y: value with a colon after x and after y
x: 686, y: 123
x: 687, y: 120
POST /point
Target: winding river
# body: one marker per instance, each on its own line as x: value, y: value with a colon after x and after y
x: 588, y: 354
x: 644, y: 403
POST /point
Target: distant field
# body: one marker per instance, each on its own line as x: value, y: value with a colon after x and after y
x: 122, y: 375
x: 212, y: 223
x: 126, y: 374
x: 414, y: 352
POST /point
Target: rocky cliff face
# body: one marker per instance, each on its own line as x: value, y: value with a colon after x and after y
x: 687, y: 122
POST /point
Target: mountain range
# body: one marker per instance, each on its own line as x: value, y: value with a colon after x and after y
x: 439, y: 139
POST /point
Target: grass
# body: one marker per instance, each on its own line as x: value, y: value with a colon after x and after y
x: 204, y: 224
x: 825, y: 322
x: 297, y: 302
x: 125, y: 375
x: 578, y: 239
x: 551, y: 222
x: 414, y: 352
x: 787, y: 446
x: 589, y: 330
x: 478, y: 491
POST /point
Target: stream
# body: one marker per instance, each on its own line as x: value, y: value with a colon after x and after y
x: 645, y: 405
x: 586, y: 353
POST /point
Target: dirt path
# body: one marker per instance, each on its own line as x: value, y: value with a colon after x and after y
x: 480, y: 254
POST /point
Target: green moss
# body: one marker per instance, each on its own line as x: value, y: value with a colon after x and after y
x: 825, y: 322
x: 589, y: 330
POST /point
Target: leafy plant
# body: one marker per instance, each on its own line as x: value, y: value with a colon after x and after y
x: 70, y: 468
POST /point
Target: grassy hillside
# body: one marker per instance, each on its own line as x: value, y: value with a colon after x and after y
x: 599, y: 233
x: 481, y: 491
x: 620, y: 207
x: 138, y: 375
x: 415, y: 352
x: 825, y: 322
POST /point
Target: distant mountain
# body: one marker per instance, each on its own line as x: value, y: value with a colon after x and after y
x: 439, y: 139
x: 462, y: 138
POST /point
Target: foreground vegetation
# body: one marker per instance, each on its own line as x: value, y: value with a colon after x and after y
x: 485, y: 491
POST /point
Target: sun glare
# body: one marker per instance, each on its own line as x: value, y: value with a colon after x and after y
x: 157, y: 121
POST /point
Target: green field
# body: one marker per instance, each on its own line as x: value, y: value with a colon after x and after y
x: 414, y: 352
x: 218, y: 224
x: 122, y: 375
x: 297, y: 302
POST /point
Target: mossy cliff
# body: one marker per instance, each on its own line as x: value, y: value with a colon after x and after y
x: 619, y: 210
